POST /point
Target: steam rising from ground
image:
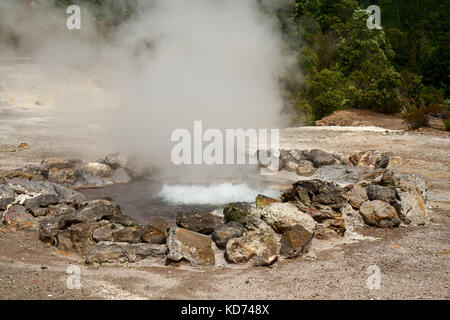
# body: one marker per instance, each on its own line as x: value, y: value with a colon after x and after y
x: 174, y: 62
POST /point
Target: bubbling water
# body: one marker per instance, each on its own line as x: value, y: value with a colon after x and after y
x: 212, y: 194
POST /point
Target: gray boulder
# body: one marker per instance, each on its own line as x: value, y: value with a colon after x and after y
x: 320, y: 158
x: 376, y: 192
x: 7, y: 196
x: 223, y: 233
x: 411, y: 208
x: 356, y: 196
x: 282, y: 216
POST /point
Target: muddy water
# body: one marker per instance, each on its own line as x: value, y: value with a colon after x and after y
x: 139, y: 200
x: 142, y: 199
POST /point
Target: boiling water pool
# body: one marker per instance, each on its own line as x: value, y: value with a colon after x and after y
x: 142, y: 199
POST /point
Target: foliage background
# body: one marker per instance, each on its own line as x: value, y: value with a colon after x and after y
x: 404, y: 67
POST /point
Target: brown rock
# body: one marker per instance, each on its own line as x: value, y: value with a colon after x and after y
x: 379, y: 214
x: 263, y: 201
x: 127, y: 234
x: 202, y: 222
x: 295, y: 241
x: 190, y: 246
x: 17, y: 216
x: 155, y: 231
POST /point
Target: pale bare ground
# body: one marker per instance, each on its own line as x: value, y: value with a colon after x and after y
x: 414, y: 261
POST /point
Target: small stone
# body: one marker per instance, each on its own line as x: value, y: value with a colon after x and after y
x: 305, y: 168
x: 290, y: 166
x: 382, y: 162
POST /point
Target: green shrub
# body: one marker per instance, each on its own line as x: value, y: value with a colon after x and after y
x: 447, y: 125
x: 328, y: 91
x: 377, y: 88
x: 417, y: 119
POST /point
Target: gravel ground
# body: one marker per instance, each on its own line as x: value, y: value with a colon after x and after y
x: 414, y: 261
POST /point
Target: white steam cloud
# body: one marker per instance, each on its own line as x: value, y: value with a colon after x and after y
x: 172, y: 63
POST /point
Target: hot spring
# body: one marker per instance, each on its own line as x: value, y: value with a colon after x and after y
x: 143, y: 199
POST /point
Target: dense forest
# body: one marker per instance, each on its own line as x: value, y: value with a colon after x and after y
x: 403, y: 67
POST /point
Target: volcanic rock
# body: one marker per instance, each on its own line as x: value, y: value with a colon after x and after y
x: 202, y: 222
x: 356, y: 196
x: 237, y: 211
x: 316, y: 191
x: 411, y: 208
x: 191, y: 246
x: 379, y: 214
x: 320, y: 158
x: 156, y: 231
x: 223, y: 233
x: 263, y: 201
x: 376, y: 192
x: 282, y: 216
x: 75, y: 237
x: 17, y: 216
x: 115, y: 160
x: 120, y: 252
x: 305, y: 168
x: 261, y: 247
x: 295, y: 241
x: 7, y: 196
x: 127, y: 234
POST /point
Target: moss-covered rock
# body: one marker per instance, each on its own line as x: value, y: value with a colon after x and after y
x: 237, y: 211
